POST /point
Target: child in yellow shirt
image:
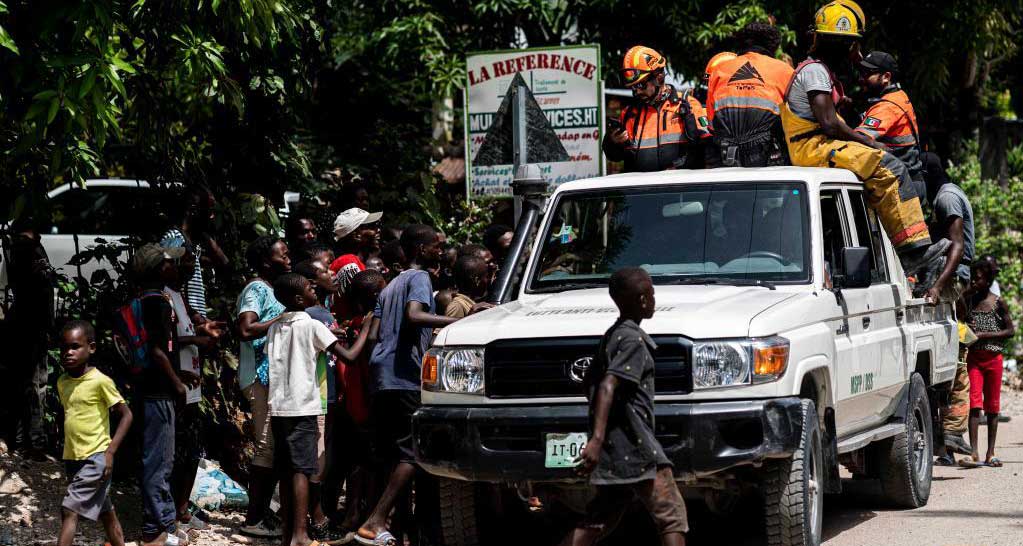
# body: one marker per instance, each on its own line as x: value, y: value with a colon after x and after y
x: 88, y: 398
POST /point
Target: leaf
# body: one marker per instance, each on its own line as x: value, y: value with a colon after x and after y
x: 54, y: 108
x: 44, y: 95
x: 7, y: 42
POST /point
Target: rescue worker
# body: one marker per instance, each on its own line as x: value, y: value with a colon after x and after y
x: 818, y: 137
x: 665, y: 128
x: 744, y: 101
x: 890, y: 119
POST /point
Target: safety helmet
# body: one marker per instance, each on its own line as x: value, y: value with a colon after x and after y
x: 640, y: 62
x: 840, y: 18
x: 716, y: 60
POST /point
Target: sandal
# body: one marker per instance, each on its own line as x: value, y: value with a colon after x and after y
x: 971, y: 463
x: 945, y: 460
x: 994, y: 462
x: 383, y: 538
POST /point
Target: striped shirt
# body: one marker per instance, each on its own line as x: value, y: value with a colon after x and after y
x: 194, y: 289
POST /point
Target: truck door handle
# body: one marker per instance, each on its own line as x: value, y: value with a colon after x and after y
x: 900, y: 315
x: 866, y: 322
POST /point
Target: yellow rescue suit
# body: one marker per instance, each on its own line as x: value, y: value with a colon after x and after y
x: 890, y: 190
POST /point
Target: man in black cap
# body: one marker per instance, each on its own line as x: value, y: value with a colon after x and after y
x: 890, y: 119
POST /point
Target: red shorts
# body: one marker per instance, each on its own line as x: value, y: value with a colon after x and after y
x: 985, y: 369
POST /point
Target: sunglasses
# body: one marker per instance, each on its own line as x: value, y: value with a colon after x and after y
x: 630, y: 75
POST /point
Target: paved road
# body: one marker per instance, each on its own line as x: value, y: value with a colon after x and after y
x: 982, y: 507
x: 968, y: 507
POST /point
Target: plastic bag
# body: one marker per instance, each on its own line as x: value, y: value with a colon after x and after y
x: 215, y: 490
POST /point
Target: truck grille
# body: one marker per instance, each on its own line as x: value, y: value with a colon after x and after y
x: 541, y: 368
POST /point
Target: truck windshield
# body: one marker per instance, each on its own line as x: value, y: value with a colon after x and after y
x: 720, y: 233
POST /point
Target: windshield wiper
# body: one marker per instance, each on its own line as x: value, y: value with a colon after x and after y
x: 717, y: 280
x: 567, y: 286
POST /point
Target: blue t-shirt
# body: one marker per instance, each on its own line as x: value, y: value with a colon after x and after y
x: 257, y: 297
x: 323, y: 315
x: 396, y: 362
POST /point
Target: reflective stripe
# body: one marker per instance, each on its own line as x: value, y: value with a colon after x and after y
x: 903, y: 140
x: 670, y: 138
x: 747, y: 102
x: 872, y: 133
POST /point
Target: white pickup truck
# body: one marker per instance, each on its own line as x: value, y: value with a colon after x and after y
x: 788, y: 344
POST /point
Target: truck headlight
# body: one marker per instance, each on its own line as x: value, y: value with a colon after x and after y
x: 456, y: 369
x: 726, y: 363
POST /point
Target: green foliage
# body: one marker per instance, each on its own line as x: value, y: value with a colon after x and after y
x: 998, y: 221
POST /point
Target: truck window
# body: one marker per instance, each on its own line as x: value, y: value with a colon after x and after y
x: 103, y: 210
x: 722, y: 231
x: 869, y: 234
x: 832, y: 214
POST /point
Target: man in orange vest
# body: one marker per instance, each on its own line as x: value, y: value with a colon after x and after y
x: 665, y: 128
x: 744, y: 101
x: 890, y: 120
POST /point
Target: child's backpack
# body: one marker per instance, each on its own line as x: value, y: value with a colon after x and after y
x: 130, y: 337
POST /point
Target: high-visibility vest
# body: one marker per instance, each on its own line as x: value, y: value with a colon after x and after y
x: 891, y: 121
x: 659, y: 135
x: 749, y: 81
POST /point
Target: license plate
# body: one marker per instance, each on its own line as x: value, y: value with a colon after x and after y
x: 563, y: 448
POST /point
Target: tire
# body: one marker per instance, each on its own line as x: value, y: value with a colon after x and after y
x: 904, y: 460
x: 458, y: 513
x: 793, y: 489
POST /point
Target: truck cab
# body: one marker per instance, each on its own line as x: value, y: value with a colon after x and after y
x: 788, y: 344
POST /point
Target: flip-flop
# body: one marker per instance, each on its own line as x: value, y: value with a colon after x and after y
x: 970, y: 463
x: 995, y: 462
x: 945, y: 460
x: 383, y: 538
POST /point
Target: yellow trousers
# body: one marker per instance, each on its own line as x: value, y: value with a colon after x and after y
x: 891, y: 191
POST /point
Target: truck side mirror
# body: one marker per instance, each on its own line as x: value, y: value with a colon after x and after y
x: 855, y: 268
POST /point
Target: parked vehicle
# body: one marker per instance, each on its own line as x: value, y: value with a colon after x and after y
x: 788, y: 344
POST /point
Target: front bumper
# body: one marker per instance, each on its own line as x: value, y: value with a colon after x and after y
x: 506, y: 443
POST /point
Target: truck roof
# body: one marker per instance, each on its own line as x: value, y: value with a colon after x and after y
x: 813, y: 176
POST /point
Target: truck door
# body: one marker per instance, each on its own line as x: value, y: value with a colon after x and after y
x: 883, y: 332
x: 853, y: 356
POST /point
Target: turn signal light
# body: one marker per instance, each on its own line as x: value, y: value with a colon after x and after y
x: 430, y: 369
x: 770, y: 360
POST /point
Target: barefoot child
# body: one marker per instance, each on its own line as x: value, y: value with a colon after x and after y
x: 88, y: 397
x: 989, y: 318
x: 623, y: 458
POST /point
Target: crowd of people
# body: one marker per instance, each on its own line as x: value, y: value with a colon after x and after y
x: 333, y: 325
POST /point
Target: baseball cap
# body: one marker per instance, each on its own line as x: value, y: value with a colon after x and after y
x: 349, y: 220
x: 879, y: 61
x: 152, y: 255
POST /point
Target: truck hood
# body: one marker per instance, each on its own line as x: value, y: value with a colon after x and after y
x: 692, y: 311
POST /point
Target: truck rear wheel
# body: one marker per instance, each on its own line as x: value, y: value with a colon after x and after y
x: 905, y: 459
x: 458, y: 514
x: 793, y: 489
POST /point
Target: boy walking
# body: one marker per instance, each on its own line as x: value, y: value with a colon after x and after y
x: 88, y: 397
x: 296, y: 399
x: 623, y: 457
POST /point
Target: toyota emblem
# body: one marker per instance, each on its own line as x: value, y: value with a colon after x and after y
x: 577, y: 371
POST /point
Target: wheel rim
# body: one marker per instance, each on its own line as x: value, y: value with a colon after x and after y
x: 918, y: 439
x: 815, y: 496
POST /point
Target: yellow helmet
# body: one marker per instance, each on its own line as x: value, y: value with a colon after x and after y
x: 840, y: 18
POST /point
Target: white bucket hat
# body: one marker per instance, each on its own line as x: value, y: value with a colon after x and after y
x: 349, y: 220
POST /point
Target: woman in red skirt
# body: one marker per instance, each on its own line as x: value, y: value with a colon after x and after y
x: 989, y: 318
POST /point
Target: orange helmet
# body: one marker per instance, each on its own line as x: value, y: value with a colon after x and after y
x: 640, y: 62
x: 716, y: 60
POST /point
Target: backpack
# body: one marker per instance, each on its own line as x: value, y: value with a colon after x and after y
x: 130, y: 336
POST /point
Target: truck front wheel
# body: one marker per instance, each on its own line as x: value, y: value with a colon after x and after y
x: 793, y: 489
x: 905, y: 459
x: 458, y: 514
